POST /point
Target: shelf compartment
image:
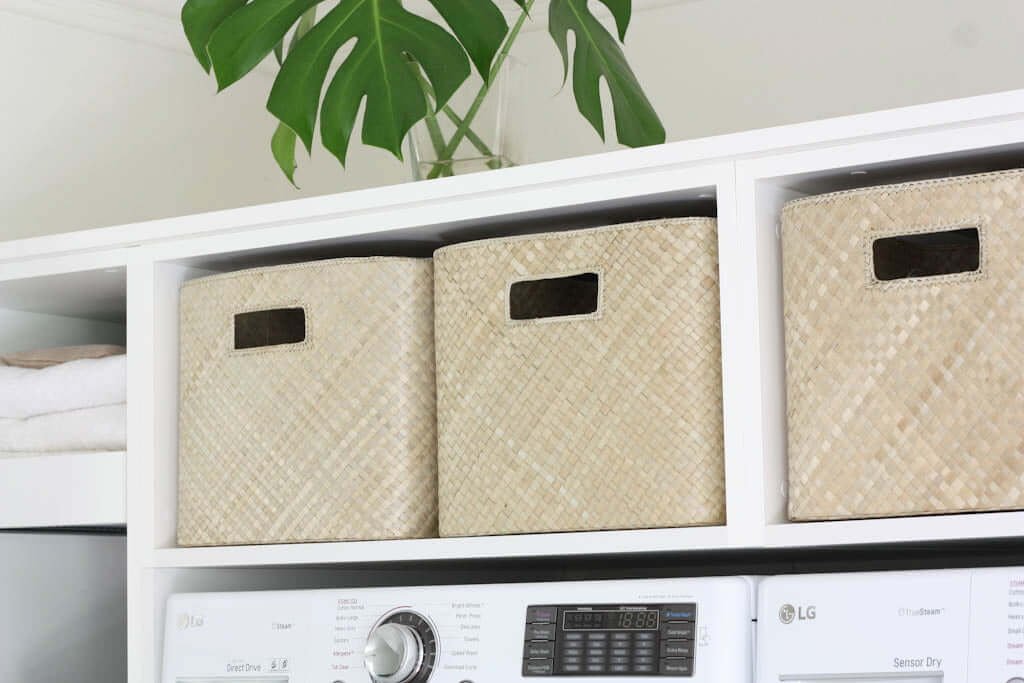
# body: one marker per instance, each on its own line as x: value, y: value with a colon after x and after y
x: 45, y: 303
x: 408, y: 231
x: 764, y: 186
x: 79, y: 490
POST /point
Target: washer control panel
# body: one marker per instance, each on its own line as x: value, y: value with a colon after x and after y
x: 699, y: 629
x: 610, y: 640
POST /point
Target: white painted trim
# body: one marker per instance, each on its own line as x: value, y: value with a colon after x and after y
x: 106, y: 17
x: 117, y: 20
x: 123, y: 19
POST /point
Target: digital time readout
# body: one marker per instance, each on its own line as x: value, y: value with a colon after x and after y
x: 610, y: 620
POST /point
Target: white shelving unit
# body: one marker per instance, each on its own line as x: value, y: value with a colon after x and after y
x: 743, y: 179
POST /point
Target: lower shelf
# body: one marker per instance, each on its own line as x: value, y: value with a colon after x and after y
x: 482, y: 547
x: 803, y: 535
x: 955, y: 527
x: 79, y: 490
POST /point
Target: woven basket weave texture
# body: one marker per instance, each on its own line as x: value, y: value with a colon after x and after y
x: 603, y: 421
x: 905, y: 397
x: 332, y: 438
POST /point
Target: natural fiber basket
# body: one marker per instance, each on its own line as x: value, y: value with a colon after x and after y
x: 904, y: 317
x: 307, y: 404
x: 579, y: 380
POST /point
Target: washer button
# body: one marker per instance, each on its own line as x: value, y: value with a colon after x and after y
x: 540, y: 632
x: 677, y: 667
x: 541, y: 614
x: 537, y: 667
x: 677, y: 648
x: 678, y: 630
x: 684, y: 612
x: 540, y: 650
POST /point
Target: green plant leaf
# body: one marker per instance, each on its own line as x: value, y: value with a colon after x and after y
x: 248, y: 35
x: 279, y: 52
x: 200, y: 18
x: 479, y: 25
x: 622, y: 11
x: 376, y: 70
x: 597, y: 55
x: 282, y: 145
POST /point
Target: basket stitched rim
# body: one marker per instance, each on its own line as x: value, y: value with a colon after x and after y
x: 305, y: 265
x: 913, y: 185
x: 569, y: 234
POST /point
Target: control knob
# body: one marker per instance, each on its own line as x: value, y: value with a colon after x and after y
x: 400, y: 649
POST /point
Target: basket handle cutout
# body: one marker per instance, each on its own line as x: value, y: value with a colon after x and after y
x: 927, y: 254
x: 272, y: 327
x: 554, y: 297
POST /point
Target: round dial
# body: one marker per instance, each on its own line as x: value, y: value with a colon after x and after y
x: 401, y: 648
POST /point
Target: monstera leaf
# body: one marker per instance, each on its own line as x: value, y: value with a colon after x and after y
x: 377, y: 69
x: 400, y: 67
x: 200, y: 18
x: 598, y: 55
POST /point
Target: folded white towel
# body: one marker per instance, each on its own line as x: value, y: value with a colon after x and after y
x: 12, y: 455
x: 88, y: 429
x: 88, y: 383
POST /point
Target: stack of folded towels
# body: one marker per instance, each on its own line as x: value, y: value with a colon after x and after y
x: 68, y: 400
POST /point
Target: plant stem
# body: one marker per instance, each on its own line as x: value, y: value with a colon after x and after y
x: 430, y: 120
x: 474, y: 108
x: 473, y: 138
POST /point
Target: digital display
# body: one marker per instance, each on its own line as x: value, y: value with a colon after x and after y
x: 610, y: 620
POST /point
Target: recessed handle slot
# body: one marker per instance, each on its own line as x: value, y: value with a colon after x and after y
x: 273, y: 327
x: 554, y: 297
x: 927, y: 254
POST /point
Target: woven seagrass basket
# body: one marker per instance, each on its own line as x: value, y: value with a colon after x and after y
x: 904, y: 317
x: 579, y: 380
x: 307, y: 404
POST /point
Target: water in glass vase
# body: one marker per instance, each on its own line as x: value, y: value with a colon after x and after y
x: 471, y: 132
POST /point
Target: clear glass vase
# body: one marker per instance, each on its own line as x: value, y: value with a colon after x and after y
x: 491, y: 140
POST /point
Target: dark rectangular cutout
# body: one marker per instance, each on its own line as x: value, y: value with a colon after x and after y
x: 555, y: 297
x: 272, y: 327
x: 927, y: 254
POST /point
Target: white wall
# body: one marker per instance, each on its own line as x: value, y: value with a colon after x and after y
x: 101, y: 130
x: 24, y: 331
x: 62, y: 608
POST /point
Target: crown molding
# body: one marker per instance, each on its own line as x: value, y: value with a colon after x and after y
x: 143, y: 23
x: 107, y: 17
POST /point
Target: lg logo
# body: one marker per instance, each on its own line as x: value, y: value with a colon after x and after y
x: 187, y: 621
x: 788, y: 614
